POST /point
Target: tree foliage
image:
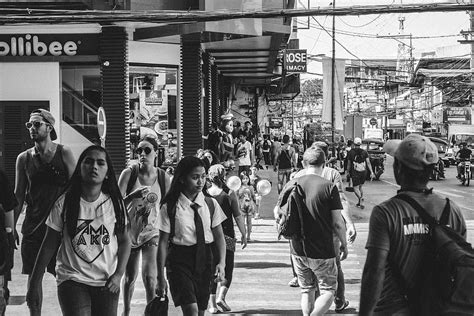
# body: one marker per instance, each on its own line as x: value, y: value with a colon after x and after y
x: 311, y: 89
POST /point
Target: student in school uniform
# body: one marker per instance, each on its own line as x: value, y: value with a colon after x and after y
x: 189, y: 223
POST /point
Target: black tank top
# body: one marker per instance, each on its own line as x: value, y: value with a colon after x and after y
x: 285, y: 158
x: 228, y: 224
x: 46, y: 181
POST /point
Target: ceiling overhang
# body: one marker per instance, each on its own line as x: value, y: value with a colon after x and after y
x: 247, y: 56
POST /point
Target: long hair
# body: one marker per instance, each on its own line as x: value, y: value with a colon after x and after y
x: 184, y: 167
x: 73, y: 193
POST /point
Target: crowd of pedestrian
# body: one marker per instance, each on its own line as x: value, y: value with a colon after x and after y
x: 91, y: 231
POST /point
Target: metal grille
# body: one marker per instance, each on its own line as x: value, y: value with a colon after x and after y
x: 115, y: 97
x: 191, y: 92
x: 215, y: 94
x: 207, y: 106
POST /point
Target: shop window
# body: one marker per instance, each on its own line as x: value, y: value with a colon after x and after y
x: 81, y: 95
x: 153, y: 105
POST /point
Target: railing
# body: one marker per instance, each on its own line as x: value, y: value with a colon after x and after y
x: 82, y: 115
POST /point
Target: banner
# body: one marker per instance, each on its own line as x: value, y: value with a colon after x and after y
x: 338, y: 91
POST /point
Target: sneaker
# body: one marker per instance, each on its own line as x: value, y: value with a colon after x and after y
x: 223, y: 305
x: 340, y: 307
x: 294, y: 282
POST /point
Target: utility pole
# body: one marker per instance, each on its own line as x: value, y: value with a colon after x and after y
x: 333, y: 72
x: 469, y: 39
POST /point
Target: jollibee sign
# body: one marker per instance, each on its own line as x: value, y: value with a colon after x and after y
x: 18, y: 45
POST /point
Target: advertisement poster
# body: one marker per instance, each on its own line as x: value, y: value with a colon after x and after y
x: 155, y: 93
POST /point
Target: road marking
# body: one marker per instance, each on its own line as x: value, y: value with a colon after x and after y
x: 437, y: 190
x: 449, y: 193
x: 391, y: 183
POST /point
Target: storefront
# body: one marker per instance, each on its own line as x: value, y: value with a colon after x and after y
x: 72, y: 70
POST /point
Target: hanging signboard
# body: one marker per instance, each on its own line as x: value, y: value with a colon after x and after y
x: 275, y: 122
x: 460, y: 115
x: 295, y: 60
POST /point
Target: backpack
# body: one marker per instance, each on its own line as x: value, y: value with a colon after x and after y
x: 448, y: 275
x: 284, y: 159
x: 266, y: 145
x: 359, y: 162
x: 290, y: 224
x: 134, y: 176
x: 171, y: 209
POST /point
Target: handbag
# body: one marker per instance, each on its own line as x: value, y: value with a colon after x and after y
x: 230, y: 243
x: 158, y: 306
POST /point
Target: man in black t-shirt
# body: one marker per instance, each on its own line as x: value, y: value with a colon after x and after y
x: 399, y: 238
x: 214, y: 138
x: 463, y: 154
x: 314, y: 261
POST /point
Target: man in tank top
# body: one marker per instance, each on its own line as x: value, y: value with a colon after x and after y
x: 41, y: 175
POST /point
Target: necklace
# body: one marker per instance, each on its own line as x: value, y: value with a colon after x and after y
x: 424, y: 191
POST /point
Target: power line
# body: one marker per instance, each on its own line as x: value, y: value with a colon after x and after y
x: 25, y: 15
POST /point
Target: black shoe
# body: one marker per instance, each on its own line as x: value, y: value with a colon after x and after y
x: 340, y: 307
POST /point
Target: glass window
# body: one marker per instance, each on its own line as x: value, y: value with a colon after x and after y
x: 153, y: 105
x: 81, y: 97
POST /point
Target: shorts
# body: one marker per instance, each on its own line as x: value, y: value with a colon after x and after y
x: 30, y: 246
x: 314, y: 273
x: 185, y: 287
x: 358, y: 177
x: 150, y: 243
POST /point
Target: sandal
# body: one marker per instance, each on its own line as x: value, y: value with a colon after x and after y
x: 339, y: 309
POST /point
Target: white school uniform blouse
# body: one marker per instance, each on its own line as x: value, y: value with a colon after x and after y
x: 185, y: 230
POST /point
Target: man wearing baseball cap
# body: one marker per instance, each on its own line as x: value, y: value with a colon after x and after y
x: 41, y: 175
x: 399, y: 238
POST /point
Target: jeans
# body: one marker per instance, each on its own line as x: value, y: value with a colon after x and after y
x: 78, y: 299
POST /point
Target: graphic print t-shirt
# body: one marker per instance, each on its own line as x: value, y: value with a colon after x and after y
x: 91, y: 256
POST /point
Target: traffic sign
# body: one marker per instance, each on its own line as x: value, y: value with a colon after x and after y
x: 373, y: 121
x: 101, y: 123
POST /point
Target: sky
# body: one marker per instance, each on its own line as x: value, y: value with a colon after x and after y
x: 365, y: 46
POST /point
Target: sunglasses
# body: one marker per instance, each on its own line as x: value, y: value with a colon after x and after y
x: 35, y: 124
x: 147, y: 150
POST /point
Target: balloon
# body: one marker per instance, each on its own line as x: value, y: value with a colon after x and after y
x: 234, y: 183
x: 264, y: 187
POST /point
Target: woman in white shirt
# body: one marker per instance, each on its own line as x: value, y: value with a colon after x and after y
x: 89, y: 225
x: 189, y: 222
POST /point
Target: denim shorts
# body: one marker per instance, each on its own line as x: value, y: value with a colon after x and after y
x: 314, y: 273
x: 78, y: 299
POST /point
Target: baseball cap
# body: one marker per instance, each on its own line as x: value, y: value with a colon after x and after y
x: 414, y: 151
x: 48, y: 118
x: 357, y: 141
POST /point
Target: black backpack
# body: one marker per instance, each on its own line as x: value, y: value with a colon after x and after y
x: 266, y: 144
x: 448, y: 274
x: 290, y: 224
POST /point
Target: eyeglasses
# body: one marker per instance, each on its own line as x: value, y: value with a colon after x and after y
x: 35, y: 124
x: 147, y: 150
